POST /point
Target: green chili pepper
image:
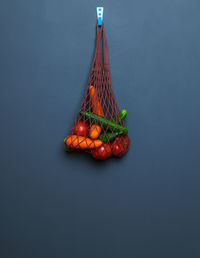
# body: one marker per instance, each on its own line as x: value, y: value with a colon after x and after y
x: 109, y: 136
x: 120, y: 117
x: 104, y: 122
x: 66, y: 148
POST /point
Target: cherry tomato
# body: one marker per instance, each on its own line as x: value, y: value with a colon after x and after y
x: 120, y: 145
x: 81, y: 128
x: 103, y: 152
x: 117, y: 149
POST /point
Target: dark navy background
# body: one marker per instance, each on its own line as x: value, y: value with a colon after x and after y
x: 58, y: 205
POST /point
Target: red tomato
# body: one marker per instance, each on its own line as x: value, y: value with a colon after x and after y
x: 120, y: 145
x: 81, y: 128
x: 117, y: 149
x: 103, y: 152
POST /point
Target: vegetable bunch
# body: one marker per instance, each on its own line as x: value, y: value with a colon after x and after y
x: 100, y: 136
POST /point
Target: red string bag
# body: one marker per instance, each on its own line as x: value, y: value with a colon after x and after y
x: 99, y: 126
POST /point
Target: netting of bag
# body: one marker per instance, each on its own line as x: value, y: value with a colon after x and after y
x: 99, y: 109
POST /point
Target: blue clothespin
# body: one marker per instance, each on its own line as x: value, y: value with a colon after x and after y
x: 100, y: 15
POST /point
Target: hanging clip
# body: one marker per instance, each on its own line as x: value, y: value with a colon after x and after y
x: 100, y: 15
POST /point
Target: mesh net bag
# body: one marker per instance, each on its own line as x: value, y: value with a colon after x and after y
x: 99, y: 126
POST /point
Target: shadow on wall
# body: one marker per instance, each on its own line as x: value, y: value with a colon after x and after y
x: 84, y: 156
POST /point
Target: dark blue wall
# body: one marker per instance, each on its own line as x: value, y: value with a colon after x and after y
x: 58, y: 205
